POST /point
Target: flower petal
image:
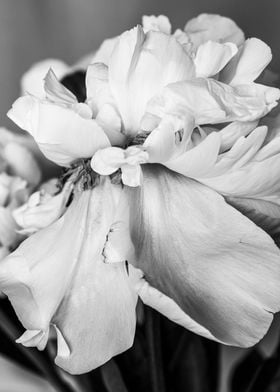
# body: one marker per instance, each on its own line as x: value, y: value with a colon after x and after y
x: 101, y: 102
x: 61, y: 134
x: 211, y: 57
x: 90, y: 302
x: 32, y: 81
x: 46, y: 209
x: 22, y: 163
x: 248, y: 64
x: 156, y: 23
x: 211, y: 27
x: 220, y: 268
x: 140, y: 65
x: 164, y: 304
x: 218, y: 102
x: 256, y: 178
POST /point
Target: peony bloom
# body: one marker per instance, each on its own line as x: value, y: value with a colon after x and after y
x: 169, y: 126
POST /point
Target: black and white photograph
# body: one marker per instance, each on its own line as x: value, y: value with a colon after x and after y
x: 139, y: 196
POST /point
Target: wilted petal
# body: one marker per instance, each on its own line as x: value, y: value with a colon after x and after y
x: 140, y: 65
x: 219, y: 267
x: 210, y: 101
x: 156, y: 23
x: 211, y: 57
x: 248, y: 64
x: 211, y: 27
x: 89, y: 301
x: 61, y: 134
x: 32, y: 81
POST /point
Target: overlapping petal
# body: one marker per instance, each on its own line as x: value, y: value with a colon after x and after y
x: 221, y: 269
x: 252, y: 58
x: 212, y: 102
x: 61, y: 133
x: 90, y: 302
x: 140, y: 65
x: 211, y: 57
x: 212, y: 27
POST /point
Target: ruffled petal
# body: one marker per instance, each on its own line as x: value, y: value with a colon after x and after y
x: 219, y: 267
x: 103, y: 53
x: 156, y: 23
x: 140, y: 65
x: 61, y: 134
x: 210, y: 101
x: 248, y: 64
x: 211, y: 27
x: 90, y: 302
x: 211, y: 57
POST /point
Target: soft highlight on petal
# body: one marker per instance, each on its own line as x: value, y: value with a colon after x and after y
x: 220, y: 268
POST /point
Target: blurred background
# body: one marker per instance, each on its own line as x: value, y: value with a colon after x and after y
x: 31, y: 30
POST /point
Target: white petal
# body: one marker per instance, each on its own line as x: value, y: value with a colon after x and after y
x: 32, y: 81
x: 218, y: 102
x: 156, y: 23
x: 61, y: 134
x: 141, y: 64
x: 219, y: 267
x: 211, y: 57
x: 206, y: 27
x: 248, y: 64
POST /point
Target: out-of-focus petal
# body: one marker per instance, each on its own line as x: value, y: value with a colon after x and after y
x: 219, y: 267
x: 248, y: 64
x: 8, y: 228
x: 156, y: 23
x: 42, y: 209
x: 140, y: 65
x: 32, y: 81
x: 211, y: 57
x: 210, y: 101
x: 61, y: 134
x: 211, y: 27
x: 49, y: 282
x: 22, y: 163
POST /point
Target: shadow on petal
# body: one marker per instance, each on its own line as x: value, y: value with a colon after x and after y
x: 219, y: 267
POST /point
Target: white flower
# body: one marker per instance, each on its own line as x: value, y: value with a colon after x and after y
x: 174, y: 240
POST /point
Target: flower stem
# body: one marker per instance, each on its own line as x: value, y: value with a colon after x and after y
x: 153, y: 333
